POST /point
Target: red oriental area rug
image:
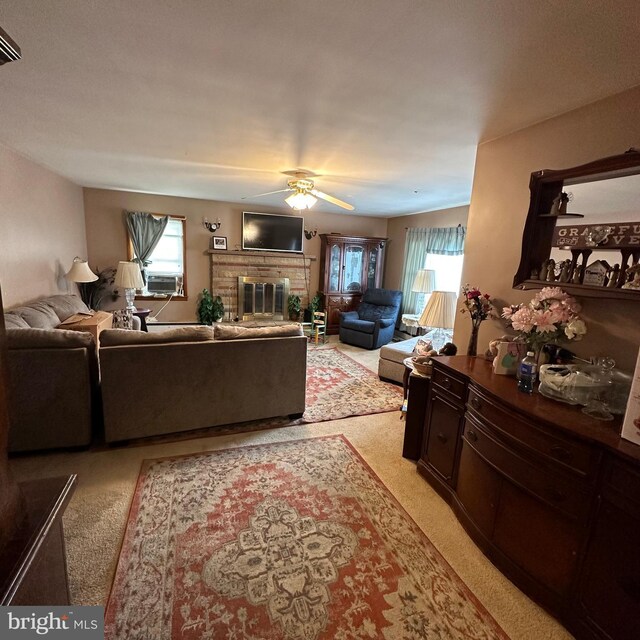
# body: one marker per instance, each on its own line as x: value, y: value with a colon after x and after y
x: 339, y: 387
x: 297, y: 540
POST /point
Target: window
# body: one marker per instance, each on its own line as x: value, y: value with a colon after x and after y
x: 168, y: 258
x: 448, y: 271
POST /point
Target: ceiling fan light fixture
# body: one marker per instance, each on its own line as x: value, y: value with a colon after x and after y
x: 301, y: 200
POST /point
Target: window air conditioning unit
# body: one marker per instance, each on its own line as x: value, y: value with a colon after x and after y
x: 162, y: 285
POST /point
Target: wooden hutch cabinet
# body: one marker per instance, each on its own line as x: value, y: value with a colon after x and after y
x: 550, y: 495
x: 349, y: 265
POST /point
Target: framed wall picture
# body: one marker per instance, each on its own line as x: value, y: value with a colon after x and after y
x: 219, y: 242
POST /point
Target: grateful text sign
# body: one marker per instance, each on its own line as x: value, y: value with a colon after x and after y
x: 616, y: 235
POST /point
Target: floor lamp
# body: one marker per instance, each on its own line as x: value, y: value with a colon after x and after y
x: 439, y: 314
x: 425, y: 281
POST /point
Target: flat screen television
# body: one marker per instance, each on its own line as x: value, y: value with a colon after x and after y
x: 272, y: 232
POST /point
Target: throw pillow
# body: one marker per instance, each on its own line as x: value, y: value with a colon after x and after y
x: 423, y: 347
x: 123, y: 319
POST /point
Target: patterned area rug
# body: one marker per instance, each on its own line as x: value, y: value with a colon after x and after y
x: 297, y: 540
x: 339, y: 387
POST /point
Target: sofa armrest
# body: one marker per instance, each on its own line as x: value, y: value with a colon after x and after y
x: 349, y: 315
x: 386, y: 322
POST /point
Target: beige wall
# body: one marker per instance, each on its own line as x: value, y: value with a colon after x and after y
x: 42, y: 229
x: 499, y: 203
x: 106, y: 235
x: 396, y: 231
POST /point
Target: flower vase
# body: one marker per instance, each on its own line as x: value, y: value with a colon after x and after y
x: 472, y: 349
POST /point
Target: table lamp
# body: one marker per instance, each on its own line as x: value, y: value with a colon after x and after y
x: 425, y: 281
x: 128, y: 277
x: 439, y: 314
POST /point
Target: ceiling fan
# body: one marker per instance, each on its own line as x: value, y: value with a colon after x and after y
x: 304, y: 195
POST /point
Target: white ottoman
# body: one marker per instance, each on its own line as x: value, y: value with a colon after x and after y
x: 390, y: 366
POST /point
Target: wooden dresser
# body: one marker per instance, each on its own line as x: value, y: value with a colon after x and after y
x: 550, y: 495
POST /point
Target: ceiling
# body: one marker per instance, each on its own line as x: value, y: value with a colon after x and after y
x: 213, y: 98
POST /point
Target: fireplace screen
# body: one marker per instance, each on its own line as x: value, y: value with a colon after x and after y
x: 263, y: 297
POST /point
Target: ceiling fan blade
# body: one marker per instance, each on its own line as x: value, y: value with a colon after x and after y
x: 268, y: 193
x: 328, y: 198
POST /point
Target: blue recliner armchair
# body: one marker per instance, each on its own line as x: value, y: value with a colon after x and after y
x: 372, y: 325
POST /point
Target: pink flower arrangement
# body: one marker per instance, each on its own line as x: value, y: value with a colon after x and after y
x: 551, y: 316
x: 477, y: 304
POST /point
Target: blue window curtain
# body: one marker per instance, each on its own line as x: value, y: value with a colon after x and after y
x: 448, y: 241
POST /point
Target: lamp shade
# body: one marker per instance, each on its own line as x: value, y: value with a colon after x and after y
x: 80, y: 272
x: 425, y: 281
x: 300, y: 200
x: 128, y: 276
x: 440, y: 311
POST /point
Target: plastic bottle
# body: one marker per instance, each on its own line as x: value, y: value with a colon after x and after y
x: 528, y: 373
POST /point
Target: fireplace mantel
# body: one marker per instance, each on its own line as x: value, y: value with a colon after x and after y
x: 258, y: 254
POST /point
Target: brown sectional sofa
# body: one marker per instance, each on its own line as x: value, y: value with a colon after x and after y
x: 181, y: 379
x: 53, y: 377
x: 145, y: 384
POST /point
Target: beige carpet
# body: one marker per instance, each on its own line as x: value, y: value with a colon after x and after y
x: 97, y: 515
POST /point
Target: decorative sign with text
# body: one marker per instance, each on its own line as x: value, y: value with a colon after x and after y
x: 618, y: 235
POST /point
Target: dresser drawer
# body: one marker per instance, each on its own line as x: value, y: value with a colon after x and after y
x: 453, y: 386
x: 565, y: 493
x: 624, y: 479
x: 570, y: 454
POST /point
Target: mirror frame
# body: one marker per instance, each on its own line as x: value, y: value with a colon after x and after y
x: 545, y: 186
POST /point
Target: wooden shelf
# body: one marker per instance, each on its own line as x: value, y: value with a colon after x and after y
x: 583, y: 290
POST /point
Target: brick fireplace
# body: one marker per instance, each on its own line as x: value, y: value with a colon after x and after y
x: 259, y: 268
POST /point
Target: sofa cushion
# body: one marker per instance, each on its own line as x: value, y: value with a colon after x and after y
x: 365, y: 326
x: 48, y: 339
x: 235, y: 332
x: 38, y: 315
x: 118, y: 337
x: 14, y: 321
x: 65, y: 306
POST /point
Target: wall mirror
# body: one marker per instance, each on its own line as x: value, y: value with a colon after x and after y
x: 583, y: 229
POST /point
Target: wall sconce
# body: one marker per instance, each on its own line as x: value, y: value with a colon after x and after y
x: 310, y: 234
x: 211, y: 226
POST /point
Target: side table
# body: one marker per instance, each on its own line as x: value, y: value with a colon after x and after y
x: 94, y: 323
x: 142, y: 314
x: 416, y: 386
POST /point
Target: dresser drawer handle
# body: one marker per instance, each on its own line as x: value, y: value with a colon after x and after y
x: 442, y: 438
x: 472, y: 435
x: 475, y: 403
x: 560, y: 452
x: 446, y: 383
